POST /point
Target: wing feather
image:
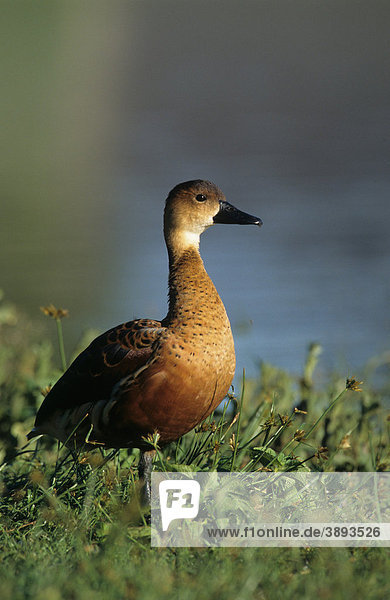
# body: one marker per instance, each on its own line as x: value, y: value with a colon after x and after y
x: 92, y: 376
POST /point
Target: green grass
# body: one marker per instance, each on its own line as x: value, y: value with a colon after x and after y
x: 72, y: 529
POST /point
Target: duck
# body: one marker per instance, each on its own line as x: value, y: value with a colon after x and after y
x: 147, y: 377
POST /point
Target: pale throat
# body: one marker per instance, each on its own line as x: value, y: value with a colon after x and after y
x: 189, y: 239
x: 179, y: 241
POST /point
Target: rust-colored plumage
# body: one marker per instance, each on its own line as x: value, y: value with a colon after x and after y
x: 146, y: 376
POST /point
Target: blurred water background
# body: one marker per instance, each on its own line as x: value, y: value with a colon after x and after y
x: 105, y: 106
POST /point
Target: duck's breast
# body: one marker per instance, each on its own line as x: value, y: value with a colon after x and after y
x: 180, y: 389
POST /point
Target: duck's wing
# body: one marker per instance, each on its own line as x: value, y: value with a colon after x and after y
x: 92, y: 376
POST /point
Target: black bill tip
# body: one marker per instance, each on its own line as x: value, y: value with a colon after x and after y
x: 229, y: 214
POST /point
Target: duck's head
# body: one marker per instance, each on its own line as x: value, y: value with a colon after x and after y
x: 193, y: 206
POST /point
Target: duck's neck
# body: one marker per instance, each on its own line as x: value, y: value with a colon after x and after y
x: 190, y: 287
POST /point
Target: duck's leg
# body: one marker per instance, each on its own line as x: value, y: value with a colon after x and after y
x: 144, y: 472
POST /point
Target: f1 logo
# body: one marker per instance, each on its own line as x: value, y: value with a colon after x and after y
x: 179, y: 499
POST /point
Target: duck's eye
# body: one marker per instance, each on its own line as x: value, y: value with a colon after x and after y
x: 201, y: 198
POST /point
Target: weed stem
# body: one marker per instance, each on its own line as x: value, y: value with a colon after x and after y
x: 61, y: 344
